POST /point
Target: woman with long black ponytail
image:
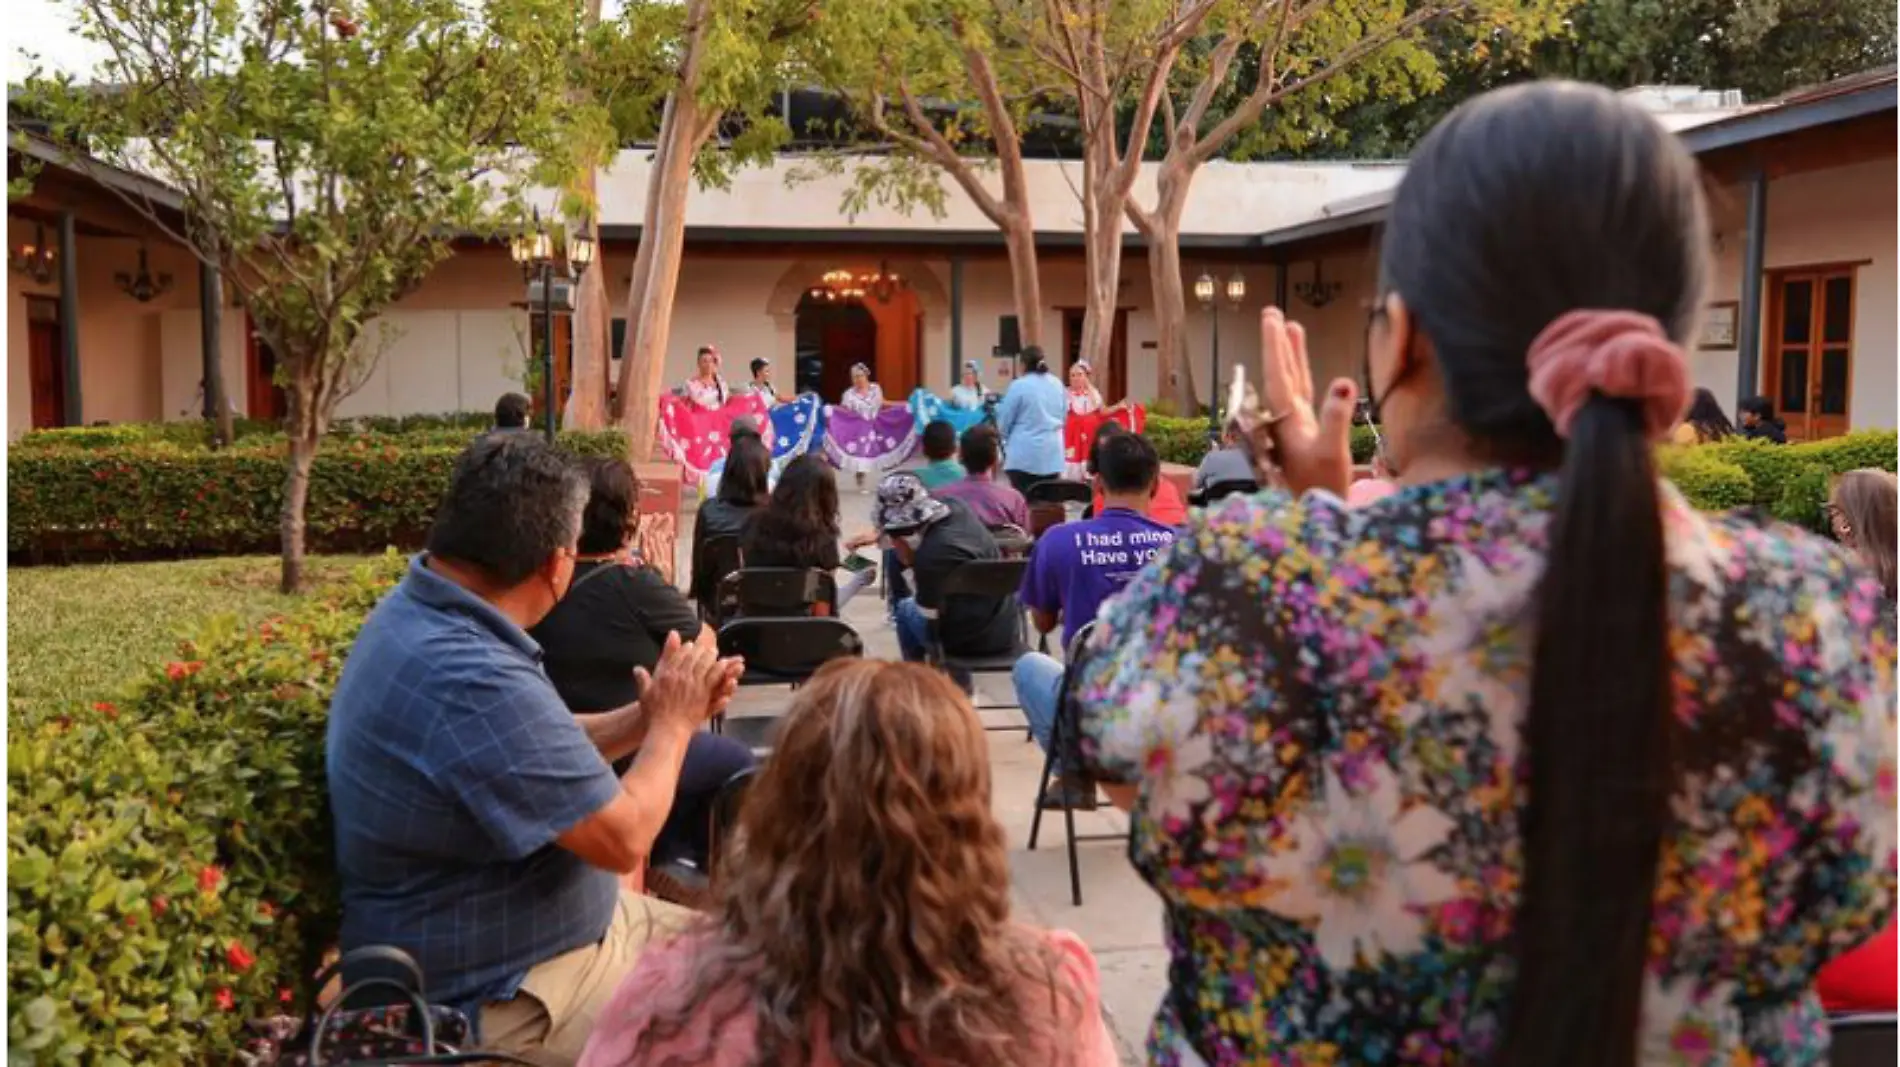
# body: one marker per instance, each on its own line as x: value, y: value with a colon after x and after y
x: 1527, y: 764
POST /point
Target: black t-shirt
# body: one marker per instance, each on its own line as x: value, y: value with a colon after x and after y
x: 615, y: 617
x: 967, y: 627
x: 717, y: 518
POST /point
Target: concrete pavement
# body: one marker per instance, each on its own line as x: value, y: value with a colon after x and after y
x: 1120, y: 917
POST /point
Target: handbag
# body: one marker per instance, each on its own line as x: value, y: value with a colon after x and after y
x: 410, y: 1030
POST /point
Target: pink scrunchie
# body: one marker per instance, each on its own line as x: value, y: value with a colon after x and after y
x: 1620, y: 354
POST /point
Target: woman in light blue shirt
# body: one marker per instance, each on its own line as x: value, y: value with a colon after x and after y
x: 1030, y: 418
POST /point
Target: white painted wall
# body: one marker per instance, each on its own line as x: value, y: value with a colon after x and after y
x: 1846, y: 214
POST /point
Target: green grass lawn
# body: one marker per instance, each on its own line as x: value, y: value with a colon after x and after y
x: 77, y: 634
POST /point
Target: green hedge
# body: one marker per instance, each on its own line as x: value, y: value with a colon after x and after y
x: 157, y: 499
x: 1789, y: 482
x: 196, y: 433
x: 1184, y: 441
x: 170, y: 868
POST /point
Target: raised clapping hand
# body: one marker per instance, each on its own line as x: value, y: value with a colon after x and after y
x: 690, y: 684
x: 1313, y: 449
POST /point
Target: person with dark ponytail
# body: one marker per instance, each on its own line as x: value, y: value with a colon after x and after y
x: 1528, y: 763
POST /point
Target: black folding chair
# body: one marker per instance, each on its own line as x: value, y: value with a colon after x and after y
x: 1060, y: 491
x: 779, y: 593
x: 988, y: 581
x: 721, y: 557
x: 1063, y: 732
x: 1014, y: 541
x: 1862, y: 1040
x: 786, y: 651
x: 1219, y: 491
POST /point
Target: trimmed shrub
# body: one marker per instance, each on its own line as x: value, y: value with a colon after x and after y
x: 157, y: 500
x: 196, y: 433
x: 1706, y: 480
x: 1789, y: 482
x: 1184, y: 441
x: 170, y: 868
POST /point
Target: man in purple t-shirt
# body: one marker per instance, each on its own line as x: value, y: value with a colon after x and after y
x: 1078, y: 565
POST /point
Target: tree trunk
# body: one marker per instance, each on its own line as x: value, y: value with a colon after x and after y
x: 1173, y: 365
x: 1019, y: 236
x: 643, y: 367
x: 587, y: 395
x: 1103, y: 204
x: 303, y: 451
x: 642, y: 271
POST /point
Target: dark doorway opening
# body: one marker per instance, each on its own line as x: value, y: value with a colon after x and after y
x: 830, y: 338
x: 263, y: 397
x: 46, y: 369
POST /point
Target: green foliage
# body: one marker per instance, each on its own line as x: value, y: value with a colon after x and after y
x: 1789, y: 482
x: 1184, y: 441
x: 159, y: 499
x: 1762, y: 47
x: 169, y: 856
x: 1706, y: 480
x: 76, y: 634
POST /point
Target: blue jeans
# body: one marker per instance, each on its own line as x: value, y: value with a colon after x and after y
x: 1038, y: 681
x: 913, y: 631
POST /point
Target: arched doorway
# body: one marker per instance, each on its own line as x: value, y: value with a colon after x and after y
x: 832, y: 337
x: 884, y: 327
x: 885, y: 335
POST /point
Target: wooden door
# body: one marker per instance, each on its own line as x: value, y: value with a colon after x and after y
x: 1809, y: 368
x: 1112, y: 380
x: 46, y: 366
x: 263, y: 397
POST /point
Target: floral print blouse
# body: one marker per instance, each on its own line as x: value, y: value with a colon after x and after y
x: 1323, y: 707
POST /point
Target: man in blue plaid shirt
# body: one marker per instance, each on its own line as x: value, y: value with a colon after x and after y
x: 478, y: 825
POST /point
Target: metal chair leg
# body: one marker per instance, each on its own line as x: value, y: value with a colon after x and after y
x: 1075, y: 867
x: 1042, y: 791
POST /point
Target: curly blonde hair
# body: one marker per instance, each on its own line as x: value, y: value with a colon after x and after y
x: 867, y: 888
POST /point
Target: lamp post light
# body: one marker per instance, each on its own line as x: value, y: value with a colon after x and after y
x: 533, y: 251
x: 1206, y: 292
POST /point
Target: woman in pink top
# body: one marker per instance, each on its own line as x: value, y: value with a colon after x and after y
x: 864, y: 914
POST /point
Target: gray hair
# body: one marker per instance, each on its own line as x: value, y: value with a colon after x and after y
x: 513, y: 502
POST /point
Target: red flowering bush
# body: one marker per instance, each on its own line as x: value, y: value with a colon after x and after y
x: 169, y: 856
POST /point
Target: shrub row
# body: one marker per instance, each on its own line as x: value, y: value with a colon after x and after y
x: 157, y: 499
x: 1184, y: 441
x: 169, y: 860
x: 1789, y: 482
x: 196, y: 433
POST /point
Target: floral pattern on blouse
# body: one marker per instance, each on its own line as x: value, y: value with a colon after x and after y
x: 1323, y: 707
x: 709, y: 395
x: 867, y: 402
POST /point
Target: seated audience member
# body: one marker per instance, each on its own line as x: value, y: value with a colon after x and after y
x: 940, y: 452
x: 1231, y: 462
x: 743, y: 427
x: 743, y: 489
x: 867, y: 916
x: 1165, y: 507
x: 1704, y: 422
x: 614, y: 620
x: 798, y: 527
x: 933, y: 538
x: 512, y: 412
x: 478, y: 827
x: 1078, y: 565
x: 995, y: 503
x: 1759, y: 422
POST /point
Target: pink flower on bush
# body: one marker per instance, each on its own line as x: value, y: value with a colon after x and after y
x: 107, y: 708
x: 209, y: 879
x: 178, y: 671
x: 160, y: 905
x: 266, y: 909
x: 226, y: 1001
x: 239, y: 957
x: 285, y: 996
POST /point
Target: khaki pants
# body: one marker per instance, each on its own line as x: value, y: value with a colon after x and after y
x: 551, y: 1018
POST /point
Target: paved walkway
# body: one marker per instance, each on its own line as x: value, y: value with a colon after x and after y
x: 1120, y: 917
